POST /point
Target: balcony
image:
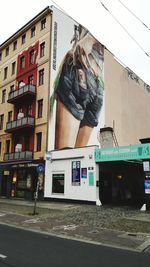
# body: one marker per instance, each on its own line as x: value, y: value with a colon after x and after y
x: 20, y: 124
x: 24, y: 155
x: 24, y: 93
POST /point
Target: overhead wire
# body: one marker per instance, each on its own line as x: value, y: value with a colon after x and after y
x: 133, y: 14
x: 138, y: 44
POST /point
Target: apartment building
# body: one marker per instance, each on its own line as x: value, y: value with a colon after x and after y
x: 24, y: 83
x: 35, y: 118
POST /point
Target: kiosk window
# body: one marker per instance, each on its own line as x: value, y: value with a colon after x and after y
x: 58, y: 183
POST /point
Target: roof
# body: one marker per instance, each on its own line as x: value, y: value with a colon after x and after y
x: 26, y: 26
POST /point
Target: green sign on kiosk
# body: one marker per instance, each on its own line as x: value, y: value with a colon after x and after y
x: 131, y: 152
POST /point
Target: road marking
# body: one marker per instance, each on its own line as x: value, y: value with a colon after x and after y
x: 3, y: 256
x: 2, y: 214
x: 68, y: 227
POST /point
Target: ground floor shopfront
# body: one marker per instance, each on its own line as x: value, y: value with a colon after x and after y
x: 19, y: 180
x: 104, y: 176
x: 124, y: 174
x: 121, y: 183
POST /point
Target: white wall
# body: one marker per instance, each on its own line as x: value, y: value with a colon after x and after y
x: 61, y: 162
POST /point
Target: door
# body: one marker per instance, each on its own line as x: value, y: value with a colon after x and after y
x: 4, y: 186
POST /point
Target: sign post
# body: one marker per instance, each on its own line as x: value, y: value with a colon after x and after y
x: 39, y: 168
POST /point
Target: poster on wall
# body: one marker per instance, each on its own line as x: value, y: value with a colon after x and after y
x: 147, y: 186
x: 76, y: 85
x: 83, y: 173
x: 76, y: 173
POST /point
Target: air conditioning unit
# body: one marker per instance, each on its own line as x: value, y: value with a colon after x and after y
x: 18, y: 148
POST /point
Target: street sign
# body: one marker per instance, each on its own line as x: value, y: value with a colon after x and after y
x: 48, y: 156
x: 40, y: 167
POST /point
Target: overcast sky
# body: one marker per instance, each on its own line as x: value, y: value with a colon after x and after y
x: 91, y: 14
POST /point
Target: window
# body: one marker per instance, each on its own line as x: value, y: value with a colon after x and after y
x: 9, y: 116
x: 30, y: 79
x: 12, y: 88
x: 42, y: 49
x: 41, y: 77
x: 13, y: 67
x: 7, y: 51
x: 58, y: 183
x: 32, y: 57
x: 39, y: 141
x: 1, y: 121
x: 29, y: 110
x: 15, y: 45
x: 22, y: 62
x: 43, y: 24
x: 5, y: 72
x: 0, y: 56
x: 33, y: 32
x: 23, y: 38
x: 40, y: 108
x: 7, y: 146
x: 4, y: 96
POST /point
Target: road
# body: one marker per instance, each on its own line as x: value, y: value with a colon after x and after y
x: 22, y: 248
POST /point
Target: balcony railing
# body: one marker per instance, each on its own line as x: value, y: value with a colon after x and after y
x: 25, y: 122
x: 24, y: 90
x: 24, y: 155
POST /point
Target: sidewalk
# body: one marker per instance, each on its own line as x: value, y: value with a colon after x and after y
x: 121, y: 227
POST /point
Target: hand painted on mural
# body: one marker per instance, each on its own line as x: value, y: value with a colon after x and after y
x: 79, y: 91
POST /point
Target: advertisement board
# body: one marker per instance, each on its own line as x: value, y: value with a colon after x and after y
x: 147, y: 186
x: 76, y: 85
x: 76, y: 176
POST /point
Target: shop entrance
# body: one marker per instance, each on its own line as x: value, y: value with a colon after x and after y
x: 4, y: 186
x: 121, y: 183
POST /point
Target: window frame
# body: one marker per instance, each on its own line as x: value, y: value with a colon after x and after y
x: 10, y: 116
x: 38, y: 141
x: 30, y: 79
x: 5, y: 73
x: 15, y: 45
x: 22, y: 62
x: 7, y: 146
x: 7, y: 51
x: 1, y: 121
x: 43, y: 24
x: 3, y: 96
x: 40, y: 108
x: 42, y: 49
x: 33, y: 29
x: 31, y: 57
x: 23, y: 38
x: 41, y: 77
x: 13, y: 68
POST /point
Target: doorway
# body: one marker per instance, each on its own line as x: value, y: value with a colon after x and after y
x: 4, y: 186
x: 121, y: 183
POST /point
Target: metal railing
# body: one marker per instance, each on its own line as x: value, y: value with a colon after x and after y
x: 20, y: 122
x: 21, y: 91
x: 18, y: 155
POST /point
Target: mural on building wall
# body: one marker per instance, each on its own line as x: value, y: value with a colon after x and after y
x: 77, y: 87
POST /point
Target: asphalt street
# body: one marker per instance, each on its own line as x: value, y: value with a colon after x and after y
x: 23, y: 248
x: 118, y: 227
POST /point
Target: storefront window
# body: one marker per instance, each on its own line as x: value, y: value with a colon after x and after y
x: 21, y: 183
x: 58, y: 183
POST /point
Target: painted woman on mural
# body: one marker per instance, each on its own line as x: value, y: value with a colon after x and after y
x: 79, y: 91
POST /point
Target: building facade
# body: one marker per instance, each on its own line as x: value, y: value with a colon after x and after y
x: 30, y: 112
x: 24, y: 83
